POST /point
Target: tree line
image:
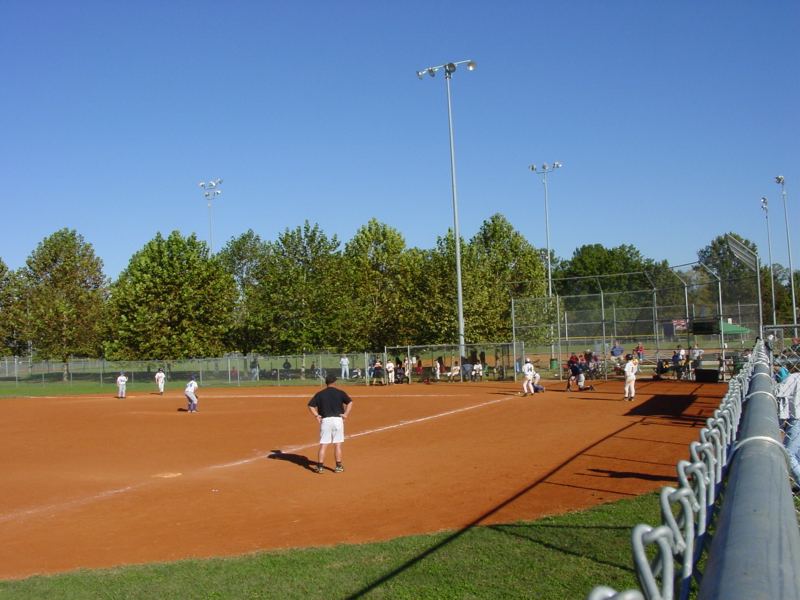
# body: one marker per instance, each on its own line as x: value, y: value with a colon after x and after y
x: 307, y: 291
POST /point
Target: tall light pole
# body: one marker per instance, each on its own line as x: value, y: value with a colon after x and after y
x: 543, y: 171
x: 211, y: 190
x: 765, y: 208
x: 782, y: 182
x: 449, y: 69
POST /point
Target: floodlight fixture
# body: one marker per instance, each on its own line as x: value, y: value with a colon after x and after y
x: 211, y: 190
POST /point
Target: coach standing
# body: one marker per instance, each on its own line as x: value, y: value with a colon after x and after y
x: 330, y: 407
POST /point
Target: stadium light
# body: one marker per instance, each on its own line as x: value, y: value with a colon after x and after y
x: 765, y: 208
x: 779, y: 179
x: 449, y: 69
x: 543, y: 171
x: 211, y: 190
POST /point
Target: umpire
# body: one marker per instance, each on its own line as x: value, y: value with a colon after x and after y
x: 330, y: 407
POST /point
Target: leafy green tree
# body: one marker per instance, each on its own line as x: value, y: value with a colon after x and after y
x: 739, y: 285
x: 579, y: 274
x: 382, y: 274
x: 7, y: 305
x: 300, y: 291
x: 783, y: 294
x: 501, y: 264
x: 64, y: 290
x: 244, y: 258
x: 172, y: 301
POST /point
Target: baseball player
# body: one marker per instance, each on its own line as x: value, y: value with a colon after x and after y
x: 330, y: 407
x: 631, y: 368
x: 191, y: 396
x: 390, y: 371
x: 160, y: 377
x: 122, y: 382
x: 529, y: 372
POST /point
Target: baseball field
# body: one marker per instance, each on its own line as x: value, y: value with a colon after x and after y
x: 94, y: 481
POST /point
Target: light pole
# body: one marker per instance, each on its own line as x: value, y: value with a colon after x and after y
x: 782, y: 182
x: 543, y: 171
x: 765, y: 208
x: 210, y: 189
x: 449, y: 69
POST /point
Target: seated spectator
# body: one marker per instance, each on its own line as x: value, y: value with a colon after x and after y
x: 477, y: 371
x: 455, y: 372
x: 781, y: 373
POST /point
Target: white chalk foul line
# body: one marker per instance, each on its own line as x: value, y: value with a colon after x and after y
x: 405, y: 423
x: 22, y: 514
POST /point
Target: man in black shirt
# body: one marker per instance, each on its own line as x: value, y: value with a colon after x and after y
x: 330, y: 407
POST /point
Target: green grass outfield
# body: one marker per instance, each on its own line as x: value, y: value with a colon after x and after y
x: 11, y: 389
x: 556, y: 558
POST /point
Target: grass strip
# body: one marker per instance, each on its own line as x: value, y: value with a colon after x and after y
x: 554, y: 558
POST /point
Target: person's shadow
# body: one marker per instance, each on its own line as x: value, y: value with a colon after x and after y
x: 297, y: 459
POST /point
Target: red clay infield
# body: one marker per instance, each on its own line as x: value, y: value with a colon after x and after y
x: 96, y: 482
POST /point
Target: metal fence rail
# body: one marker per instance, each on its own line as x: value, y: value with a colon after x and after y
x: 756, y: 545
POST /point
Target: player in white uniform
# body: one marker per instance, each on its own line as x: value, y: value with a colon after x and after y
x: 160, y: 377
x: 344, y: 362
x: 631, y: 368
x: 121, y: 384
x: 528, y: 371
x: 390, y: 371
x: 190, y: 393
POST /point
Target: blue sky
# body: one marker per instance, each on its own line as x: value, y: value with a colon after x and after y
x: 671, y: 119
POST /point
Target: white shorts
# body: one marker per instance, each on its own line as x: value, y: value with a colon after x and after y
x: 331, y: 430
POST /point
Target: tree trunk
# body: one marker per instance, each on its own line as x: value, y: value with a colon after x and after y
x: 65, y: 372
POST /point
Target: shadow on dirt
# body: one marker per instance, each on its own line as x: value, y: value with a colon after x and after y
x: 297, y: 459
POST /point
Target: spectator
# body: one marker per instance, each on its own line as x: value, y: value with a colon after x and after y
x: 781, y: 373
x: 455, y: 371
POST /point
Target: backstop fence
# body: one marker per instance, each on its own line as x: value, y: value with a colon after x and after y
x: 737, y: 484
x: 693, y: 306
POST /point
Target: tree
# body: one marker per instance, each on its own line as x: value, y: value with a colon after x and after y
x: 381, y: 272
x: 172, y: 301
x: 6, y: 309
x: 64, y: 290
x: 576, y: 276
x: 738, y: 281
x: 501, y: 264
x: 244, y: 258
x: 300, y: 291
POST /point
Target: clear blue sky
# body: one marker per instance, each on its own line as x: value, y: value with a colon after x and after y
x: 671, y: 119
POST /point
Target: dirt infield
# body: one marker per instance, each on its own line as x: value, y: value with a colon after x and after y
x: 95, y: 481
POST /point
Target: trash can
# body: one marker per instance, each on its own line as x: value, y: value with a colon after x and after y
x: 554, y: 364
